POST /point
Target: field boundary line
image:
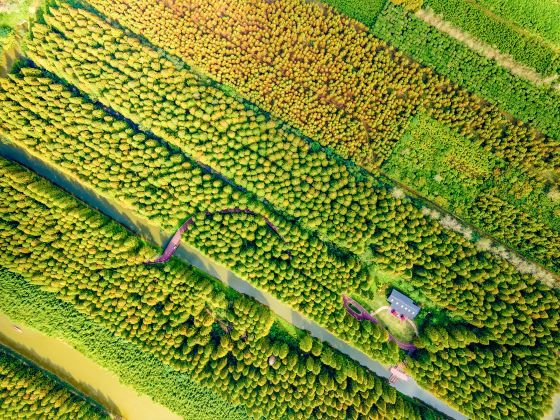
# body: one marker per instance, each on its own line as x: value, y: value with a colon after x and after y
x: 554, y: 282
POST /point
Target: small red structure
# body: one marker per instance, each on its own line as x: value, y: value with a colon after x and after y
x: 359, y: 312
x: 397, y: 373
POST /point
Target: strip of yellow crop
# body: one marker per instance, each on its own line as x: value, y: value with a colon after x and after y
x: 323, y: 73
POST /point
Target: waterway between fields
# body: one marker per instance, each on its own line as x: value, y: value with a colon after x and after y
x: 84, y: 374
x: 127, y: 217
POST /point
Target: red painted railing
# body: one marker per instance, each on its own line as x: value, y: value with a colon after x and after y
x: 176, y: 239
x: 363, y: 314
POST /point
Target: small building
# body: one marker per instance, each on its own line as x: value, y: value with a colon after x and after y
x: 403, y: 305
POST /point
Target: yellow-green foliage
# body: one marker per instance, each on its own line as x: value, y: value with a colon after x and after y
x: 450, y: 270
x: 323, y: 73
x: 28, y: 392
x: 243, y: 144
x: 533, y: 103
x: 108, y: 155
x: 26, y: 303
x: 410, y: 5
x: 353, y: 93
x: 175, y: 312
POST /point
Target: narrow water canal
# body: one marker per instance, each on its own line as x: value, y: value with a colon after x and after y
x: 152, y: 233
x: 81, y: 372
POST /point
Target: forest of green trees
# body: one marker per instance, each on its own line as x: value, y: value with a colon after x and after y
x: 93, y: 263
x: 385, y: 152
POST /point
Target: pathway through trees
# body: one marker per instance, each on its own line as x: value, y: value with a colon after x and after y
x: 176, y: 239
x: 350, y: 303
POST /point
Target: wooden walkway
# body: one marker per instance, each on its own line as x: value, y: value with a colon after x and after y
x: 176, y: 239
x: 350, y: 303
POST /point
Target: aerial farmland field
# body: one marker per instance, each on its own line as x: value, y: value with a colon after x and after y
x: 280, y: 209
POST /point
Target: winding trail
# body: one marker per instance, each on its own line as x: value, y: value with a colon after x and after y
x: 176, y: 238
x: 383, y: 308
x: 139, y: 225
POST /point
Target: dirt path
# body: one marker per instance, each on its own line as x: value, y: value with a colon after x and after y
x: 495, y: 247
x: 515, y: 27
x: 504, y: 60
x: 383, y: 308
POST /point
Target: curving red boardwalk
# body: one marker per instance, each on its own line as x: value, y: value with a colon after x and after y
x: 361, y: 314
x: 173, y: 244
x: 176, y: 239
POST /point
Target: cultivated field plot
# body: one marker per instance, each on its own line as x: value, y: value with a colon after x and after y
x: 528, y: 31
x: 187, y: 187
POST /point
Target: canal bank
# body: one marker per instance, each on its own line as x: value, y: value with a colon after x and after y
x: 68, y: 364
x: 152, y: 233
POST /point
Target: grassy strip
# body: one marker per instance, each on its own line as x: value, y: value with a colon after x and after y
x: 27, y: 304
x: 537, y: 16
x: 14, y: 11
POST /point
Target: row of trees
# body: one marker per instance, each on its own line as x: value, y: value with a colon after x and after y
x: 323, y: 73
x: 239, y: 142
x: 28, y: 392
x: 513, y: 226
x: 495, y: 30
x: 178, y: 314
x: 25, y: 302
x: 108, y: 156
x: 487, y: 379
x: 189, y: 112
x: 473, y: 285
x: 450, y: 57
x: 453, y: 172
